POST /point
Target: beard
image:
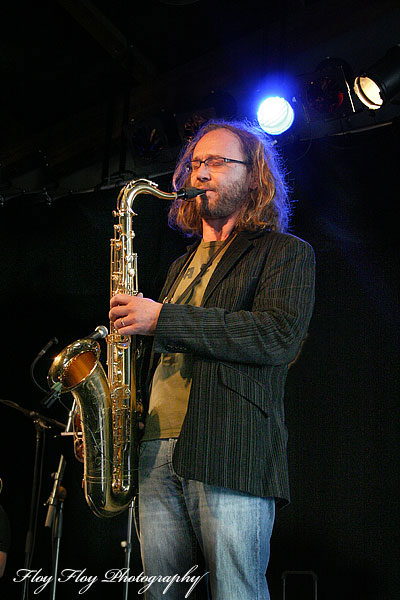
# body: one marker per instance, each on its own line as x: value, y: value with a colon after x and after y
x: 229, y: 199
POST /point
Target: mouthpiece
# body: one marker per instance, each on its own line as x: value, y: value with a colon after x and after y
x: 189, y: 193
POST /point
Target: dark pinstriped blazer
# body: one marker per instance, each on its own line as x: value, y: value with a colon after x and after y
x: 254, y: 314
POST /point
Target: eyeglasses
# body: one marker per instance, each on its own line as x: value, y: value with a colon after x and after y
x: 212, y: 163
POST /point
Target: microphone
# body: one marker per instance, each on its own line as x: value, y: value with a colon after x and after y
x: 53, y: 395
x: 46, y: 348
x: 57, y: 492
x: 99, y: 333
x: 42, y: 352
x: 189, y: 193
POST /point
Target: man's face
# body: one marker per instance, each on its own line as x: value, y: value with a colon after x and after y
x: 227, y: 186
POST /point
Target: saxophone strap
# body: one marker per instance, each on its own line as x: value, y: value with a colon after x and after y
x: 199, y: 275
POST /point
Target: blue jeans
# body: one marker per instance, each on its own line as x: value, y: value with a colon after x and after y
x: 183, y: 522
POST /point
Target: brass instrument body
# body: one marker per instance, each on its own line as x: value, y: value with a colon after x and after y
x: 78, y: 368
x: 109, y: 408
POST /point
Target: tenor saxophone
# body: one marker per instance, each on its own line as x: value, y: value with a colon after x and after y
x: 109, y: 406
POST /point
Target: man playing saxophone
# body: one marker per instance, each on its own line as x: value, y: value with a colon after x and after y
x: 231, y: 317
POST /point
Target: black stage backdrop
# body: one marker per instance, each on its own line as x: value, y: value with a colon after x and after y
x: 342, y: 394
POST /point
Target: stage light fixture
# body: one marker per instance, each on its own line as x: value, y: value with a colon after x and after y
x: 146, y: 137
x: 381, y: 82
x: 325, y: 92
x: 275, y: 115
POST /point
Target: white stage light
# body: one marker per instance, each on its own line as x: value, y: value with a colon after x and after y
x: 275, y: 115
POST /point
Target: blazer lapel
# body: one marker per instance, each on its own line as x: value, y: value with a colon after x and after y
x: 239, y: 246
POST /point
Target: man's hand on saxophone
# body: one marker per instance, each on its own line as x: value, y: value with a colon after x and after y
x: 133, y: 315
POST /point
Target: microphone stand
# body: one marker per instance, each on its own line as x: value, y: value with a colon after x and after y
x: 127, y: 546
x: 57, y: 533
x: 41, y: 423
x: 56, y: 506
x: 40, y: 427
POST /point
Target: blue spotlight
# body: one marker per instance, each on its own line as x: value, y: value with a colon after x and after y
x: 275, y: 115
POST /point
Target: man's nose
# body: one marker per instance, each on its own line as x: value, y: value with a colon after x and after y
x: 202, y: 173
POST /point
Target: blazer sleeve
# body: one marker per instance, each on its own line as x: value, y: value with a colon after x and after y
x: 269, y: 333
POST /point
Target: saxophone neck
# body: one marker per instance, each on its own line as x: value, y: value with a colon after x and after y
x: 140, y: 186
x: 145, y: 186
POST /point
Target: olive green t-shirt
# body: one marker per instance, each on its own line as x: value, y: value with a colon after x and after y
x: 172, y: 378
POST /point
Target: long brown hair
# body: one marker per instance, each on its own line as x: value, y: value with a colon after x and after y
x: 267, y: 205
